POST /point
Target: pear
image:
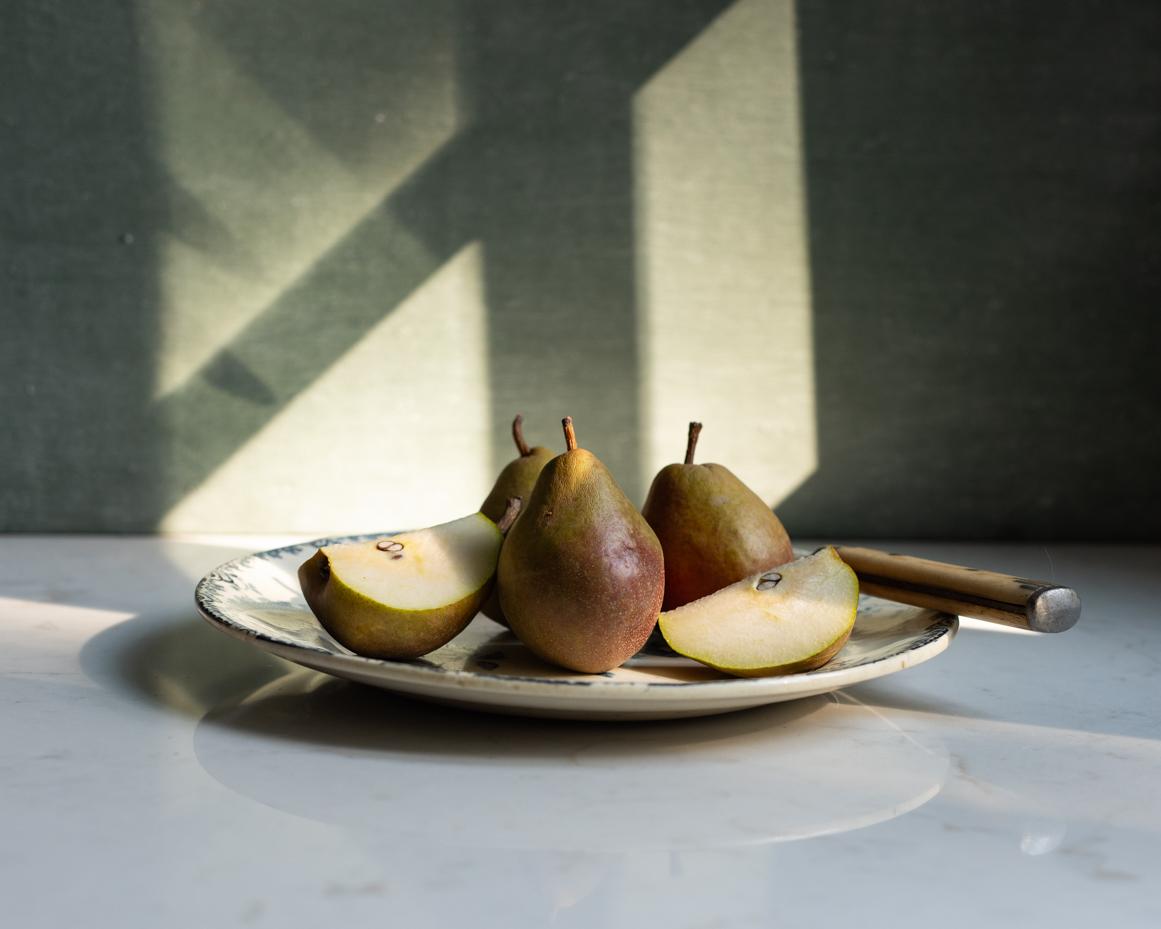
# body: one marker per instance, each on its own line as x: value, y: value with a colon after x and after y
x: 581, y: 575
x: 405, y: 595
x: 519, y: 475
x: 516, y: 480
x: 782, y: 621
x: 713, y: 529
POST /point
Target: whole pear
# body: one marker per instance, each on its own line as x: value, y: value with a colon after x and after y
x: 581, y: 574
x: 516, y: 480
x: 714, y: 530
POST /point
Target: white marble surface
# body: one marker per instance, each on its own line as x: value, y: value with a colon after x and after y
x: 154, y: 772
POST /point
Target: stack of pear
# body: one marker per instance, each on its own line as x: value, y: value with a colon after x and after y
x: 713, y: 529
x: 581, y: 575
x: 405, y: 595
x: 516, y: 480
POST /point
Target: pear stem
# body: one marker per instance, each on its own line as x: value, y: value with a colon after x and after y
x: 691, y: 444
x: 510, y: 514
x: 518, y: 435
x: 569, y: 435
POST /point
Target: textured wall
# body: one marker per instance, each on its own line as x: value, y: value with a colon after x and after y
x: 294, y: 265
x: 985, y: 209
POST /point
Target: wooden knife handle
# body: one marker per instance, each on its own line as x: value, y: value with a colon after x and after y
x: 997, y: 598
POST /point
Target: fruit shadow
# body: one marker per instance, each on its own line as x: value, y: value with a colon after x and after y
x: 189, y: 668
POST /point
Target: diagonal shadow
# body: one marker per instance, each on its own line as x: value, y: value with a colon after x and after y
x: 542, y: 178
x: 289, y: 345
x: 551, y: 92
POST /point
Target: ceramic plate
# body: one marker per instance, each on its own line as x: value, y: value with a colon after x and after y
x: 257, y: 599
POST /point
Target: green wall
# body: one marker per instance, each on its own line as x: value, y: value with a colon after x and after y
x: 985, y: 209
x: 204, y: 217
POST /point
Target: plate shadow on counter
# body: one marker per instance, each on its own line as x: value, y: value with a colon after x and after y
x: 414, y: 772
x: 188, y: 667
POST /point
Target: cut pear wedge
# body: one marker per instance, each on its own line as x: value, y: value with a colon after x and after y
x: 405, y: 595
x: 788, y: 619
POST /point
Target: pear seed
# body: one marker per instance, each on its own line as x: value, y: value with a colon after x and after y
x: 396, y: 557
x: 769, y: 581
x: 388, y: 546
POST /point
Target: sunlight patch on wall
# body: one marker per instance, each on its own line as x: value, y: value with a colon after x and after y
x: 723, y: 279
x: 395, y: 435
x: 255, y: 198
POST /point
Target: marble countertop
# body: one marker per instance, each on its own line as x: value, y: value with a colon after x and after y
x: 154, y: 772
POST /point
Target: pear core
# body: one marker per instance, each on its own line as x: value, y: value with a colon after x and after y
x: 791, y: 618
x: 407, y: 594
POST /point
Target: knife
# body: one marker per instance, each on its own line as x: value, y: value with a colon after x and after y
x: 986, y: 595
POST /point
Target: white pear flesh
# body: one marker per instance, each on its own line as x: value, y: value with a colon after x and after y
x: 788, y: 619
x: 405, y: 595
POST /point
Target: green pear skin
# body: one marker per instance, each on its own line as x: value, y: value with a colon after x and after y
x: 516, y: 480
x: 581, y: 575
x: 713, y: 529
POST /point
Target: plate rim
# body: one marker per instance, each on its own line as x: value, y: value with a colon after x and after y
x: 941, y: 632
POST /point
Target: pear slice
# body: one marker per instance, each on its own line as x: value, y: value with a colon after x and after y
x: 792, y: 618
x: 404, y: 595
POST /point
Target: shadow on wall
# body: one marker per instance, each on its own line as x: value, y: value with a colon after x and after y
x: 983, y: 189
x: 538, y: 170
x: 984, y: 183
x: 80, y: 202
x: 541, y: 176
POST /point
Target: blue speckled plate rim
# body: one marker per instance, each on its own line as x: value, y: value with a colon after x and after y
x: 943, y: 627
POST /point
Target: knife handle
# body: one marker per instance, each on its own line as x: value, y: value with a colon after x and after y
x: 995, y: 598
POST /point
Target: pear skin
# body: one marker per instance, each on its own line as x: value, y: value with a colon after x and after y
x: 581, y: 574
x: 516, y: 480
x: 713, y: 529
